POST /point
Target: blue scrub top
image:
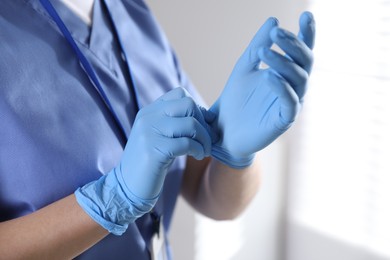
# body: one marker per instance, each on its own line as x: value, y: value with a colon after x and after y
x: 56, y: 133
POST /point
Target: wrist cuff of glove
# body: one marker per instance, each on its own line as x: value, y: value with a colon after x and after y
x: 105, y: 201
x: 231, y: 161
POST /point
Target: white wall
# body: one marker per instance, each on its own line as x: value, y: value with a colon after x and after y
x: 208, y: 37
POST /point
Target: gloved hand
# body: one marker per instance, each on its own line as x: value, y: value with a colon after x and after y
x: 171, y: 126
x: 258, y: 105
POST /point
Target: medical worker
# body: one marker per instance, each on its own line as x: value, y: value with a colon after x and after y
x: 101, y: 128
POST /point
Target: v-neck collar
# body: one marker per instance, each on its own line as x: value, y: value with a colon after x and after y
x: 97, y: 37
x: 101, y: 38
x: 80, y: 31
x: 83, y: 8
x: 98, y: 43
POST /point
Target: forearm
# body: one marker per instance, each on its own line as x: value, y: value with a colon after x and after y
x: 221, y: 192
x: 61, y: 230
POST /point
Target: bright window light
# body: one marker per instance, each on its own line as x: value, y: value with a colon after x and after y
x: 340, y: 177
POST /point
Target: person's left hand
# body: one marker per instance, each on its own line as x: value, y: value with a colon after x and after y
x: 258, y: 105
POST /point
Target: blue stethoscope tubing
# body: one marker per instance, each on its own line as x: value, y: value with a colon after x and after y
x: 87, y: 67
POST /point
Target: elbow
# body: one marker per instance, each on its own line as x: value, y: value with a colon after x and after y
x: 222, y: 213
x: 227, y: 217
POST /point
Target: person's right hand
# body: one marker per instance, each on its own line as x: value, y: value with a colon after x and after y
x: 172, y: 126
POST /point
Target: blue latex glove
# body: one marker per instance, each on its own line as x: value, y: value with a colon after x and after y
x: 169, y: 127
x: 258, y: 105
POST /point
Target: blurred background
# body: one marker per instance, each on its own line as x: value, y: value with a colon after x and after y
x: 326, y: 182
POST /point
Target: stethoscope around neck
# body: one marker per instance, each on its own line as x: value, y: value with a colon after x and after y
x: 88, y: 68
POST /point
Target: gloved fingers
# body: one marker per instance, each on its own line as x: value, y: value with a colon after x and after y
x: 295, y: 75
x: 188, y: 146
x: 307, y: 29
x: 208, y: 115
x: 182, y: 107
x: 176, y: 93
x: 289, y: 101
x: 178, y: 127
x: 250, y: 60
x: 294, y: 48
x: 186, y: 107
x: 166, y: 103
